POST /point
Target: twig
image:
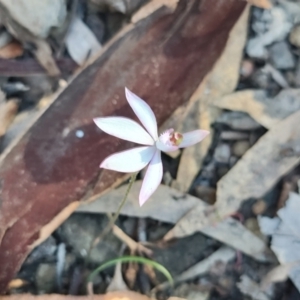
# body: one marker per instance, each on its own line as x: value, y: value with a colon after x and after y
x: 133, y: 245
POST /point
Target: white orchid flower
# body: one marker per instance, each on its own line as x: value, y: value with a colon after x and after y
x: 136, y: 159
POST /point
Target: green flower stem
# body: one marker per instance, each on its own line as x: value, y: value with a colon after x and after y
x: 114, y: 218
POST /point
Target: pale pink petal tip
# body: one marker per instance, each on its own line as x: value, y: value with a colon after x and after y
x: 152, y: 178
x: 193, y: 137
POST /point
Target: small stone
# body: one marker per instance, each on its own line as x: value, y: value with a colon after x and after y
x: 253, y: 226
x: 232, y: 161
x: 295, y: 36
x: 80, y: 230
x: 44, y: 251
x: 238, y: 120
x: 158, y: 232
x: 193, y: 248
x: 254, y: 137
x: 206, y: 193
x: 247, y: 68
x: 277, y: 27
x: 240, y: 147
x: 45, y: 278
x: 129, y: 226
x: 218, y: 269
x: 227, y: 283
x: 208, y: 171
x: 261, y: 79
x: 259, y: 207
x: 222, y: 153
x: 222, y: 171
x: 233, y: 135
x: 281, y: 56
x: 190, y: 292
x: 167, y: 178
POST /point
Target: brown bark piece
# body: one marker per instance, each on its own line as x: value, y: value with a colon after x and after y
x: 124, y: 295
x: 50, y: 167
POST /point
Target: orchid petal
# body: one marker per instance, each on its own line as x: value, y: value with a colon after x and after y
x: 193, y: 137
x: 152, y: 178
x: 143, y: 112
x: 125, y: 129
x: 128, y: 161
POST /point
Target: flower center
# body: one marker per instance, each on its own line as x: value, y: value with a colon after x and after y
x: 176, y: 138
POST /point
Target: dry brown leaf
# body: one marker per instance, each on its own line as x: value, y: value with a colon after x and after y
x: 166, y: 204
x: 42, y: 50
x: 8, y: 111
x: 220, y: 81
x: 266, y: 4
x: 259, y: 169
x: 12, y: 50
x: 81, y: 42
x: 250, y: 288
x: 224, y: 254
x: 279, y: 273
x: 43, y: 54
x: 124, y: 295
x: 284, y: 230
x: 170, y: 205
x: 151, y: 7
x: 38, y: 17
x: 264, y: 110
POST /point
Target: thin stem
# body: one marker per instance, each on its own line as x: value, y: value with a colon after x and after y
x: 113, y: 220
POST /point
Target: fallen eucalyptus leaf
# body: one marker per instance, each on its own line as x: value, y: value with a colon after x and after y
x: 251, y: 177
x: 279, y: 273
x: 264, y: 110
x: 38, y: 17
x: 224, y: 254
x: 43, y: 54
x: 170, y: 205
x: 81, y: 42
x: 40, y: 49
x: 250, y: 288
x: 286, y: 240
x: 220, y: 81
